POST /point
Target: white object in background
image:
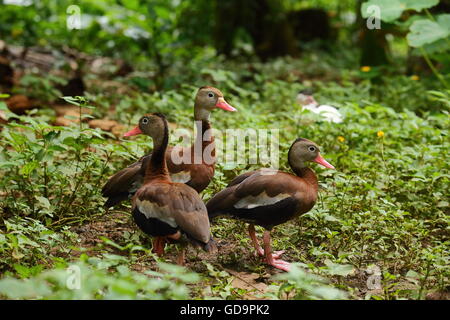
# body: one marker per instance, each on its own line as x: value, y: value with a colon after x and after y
x: 328, y: 113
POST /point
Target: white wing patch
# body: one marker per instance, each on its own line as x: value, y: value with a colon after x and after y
x: 181, y: 177
x: 260, y: 200
x: 152, y: 210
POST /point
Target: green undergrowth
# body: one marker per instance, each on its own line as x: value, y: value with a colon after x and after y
x: 384, y: 208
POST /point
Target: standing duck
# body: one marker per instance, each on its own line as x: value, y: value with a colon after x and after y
x: 196, y: 174
x: 328, y: 113
x: 269, y: 197
x: 162, y: 208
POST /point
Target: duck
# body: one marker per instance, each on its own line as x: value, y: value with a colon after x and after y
x: 268, y: 197
x: 196, y: 172
x: 164, y: 209
x: 328, y: 113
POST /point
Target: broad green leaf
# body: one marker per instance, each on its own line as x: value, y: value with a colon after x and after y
x: 444, y: 20
x: 425, y: 31
x: 439, y: 46
x: 14, y: 288
x: 390, y: 10
x: 338, y: 269
x: 419, y: 5
x: 412, y: 274
x: 43, y: 201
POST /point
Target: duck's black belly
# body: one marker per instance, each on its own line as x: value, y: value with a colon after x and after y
x: 152, y: 226
x: 270, y: 215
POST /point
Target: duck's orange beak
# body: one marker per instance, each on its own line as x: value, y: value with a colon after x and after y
x: 222, y: 104
x: 133, y: 132
x: 320, y: 160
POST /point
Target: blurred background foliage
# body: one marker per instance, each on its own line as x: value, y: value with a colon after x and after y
x: 162, y: 36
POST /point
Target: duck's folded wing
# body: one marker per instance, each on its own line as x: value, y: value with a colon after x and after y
x: 225, y: 198
x: 240, y: 178
x: 256, y: 190
x: 179, y: 206
x: 124, y: 183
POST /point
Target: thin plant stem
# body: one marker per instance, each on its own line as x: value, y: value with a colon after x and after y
x: 433, y: 69
x: 424, y: 280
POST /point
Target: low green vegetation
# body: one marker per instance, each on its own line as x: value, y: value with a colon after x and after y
x: 381, y: 227
x: 385, y: 205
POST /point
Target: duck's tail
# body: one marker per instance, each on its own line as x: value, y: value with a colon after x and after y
x: 210, y: 246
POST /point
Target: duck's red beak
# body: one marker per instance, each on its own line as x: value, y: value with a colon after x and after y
x: 320, y: 160
x: 133, y: 132
x: 222, y: 104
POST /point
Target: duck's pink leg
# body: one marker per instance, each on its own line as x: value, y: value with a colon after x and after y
x: 259, y: 250
x: 252, y: 233
x: 158, y: 245
x: 270, y: 258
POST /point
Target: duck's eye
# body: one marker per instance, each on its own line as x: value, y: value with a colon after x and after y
x: 211, y: 95
x: 311, y: 148
x: 144, y: 120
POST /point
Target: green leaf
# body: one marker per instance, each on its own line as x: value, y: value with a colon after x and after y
x: 14, y: 288
x: 28, y: 168
x: 22, y: 271
x: 412, y: 274
x: 443, y: 204
x: 338, y: 269
x: 439, y: 46
x: 419, y: 5
x: 390, y: 10
x: 50, y: 135
x: 43, y: 201
x: 425, y: 31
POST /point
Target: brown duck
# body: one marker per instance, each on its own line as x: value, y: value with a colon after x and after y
x: 268, y: 197
x: 164, y: 209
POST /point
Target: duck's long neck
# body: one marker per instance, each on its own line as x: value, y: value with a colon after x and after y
x: 204, y: 135
x: 157, y: 168
x: 304, y: 172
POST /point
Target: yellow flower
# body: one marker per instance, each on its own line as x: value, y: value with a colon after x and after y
x: 365, y: 69
x: 414, y: 77
x: 341, y: 139
x: 16, y: 32
x: 380, y: 134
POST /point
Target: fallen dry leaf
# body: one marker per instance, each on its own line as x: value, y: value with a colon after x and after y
x: 19, y: 103
x: 61, y: 121
x: 3, y: 119
x: 438, y: 295
x: 63, y: 109
x: 172, y: 126
x: 105, y: 125
x: 248, y: 281
x: 64, y: 121
x: 118, y: 130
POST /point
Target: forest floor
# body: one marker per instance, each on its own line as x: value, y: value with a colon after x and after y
x: 380, y: 229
